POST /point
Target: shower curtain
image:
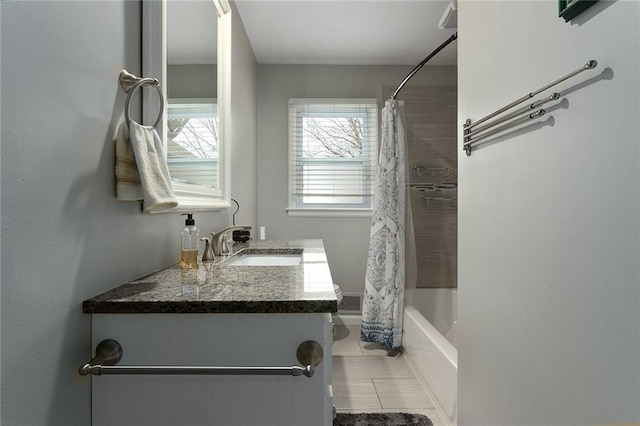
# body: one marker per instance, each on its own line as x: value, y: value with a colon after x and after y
x: 383, y: 302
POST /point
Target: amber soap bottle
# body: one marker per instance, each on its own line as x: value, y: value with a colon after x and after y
x: 189, y: 236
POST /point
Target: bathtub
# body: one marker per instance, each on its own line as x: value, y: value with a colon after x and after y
x: 429, y: 340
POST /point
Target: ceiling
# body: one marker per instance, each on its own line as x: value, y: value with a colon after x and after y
x: 191, y: 32
x: 346, y: 32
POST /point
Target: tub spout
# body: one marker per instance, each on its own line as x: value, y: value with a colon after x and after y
x: 216, y: 238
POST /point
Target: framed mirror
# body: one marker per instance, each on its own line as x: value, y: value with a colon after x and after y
x: 186, y: 46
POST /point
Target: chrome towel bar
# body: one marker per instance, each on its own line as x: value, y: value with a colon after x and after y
x: 469, y: 136
x: 109, y: 353
x: 473, y: 134
x: 492, y: 130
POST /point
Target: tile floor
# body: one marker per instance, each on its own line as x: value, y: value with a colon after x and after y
x: 366, y: 379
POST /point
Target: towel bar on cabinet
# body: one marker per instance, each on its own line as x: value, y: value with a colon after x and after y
x: 109, y: 353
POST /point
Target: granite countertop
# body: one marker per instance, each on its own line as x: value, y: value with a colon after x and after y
x: 217, y: 287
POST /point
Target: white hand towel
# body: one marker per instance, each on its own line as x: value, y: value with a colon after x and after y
x: 152, y: 167
x: 128, y: 187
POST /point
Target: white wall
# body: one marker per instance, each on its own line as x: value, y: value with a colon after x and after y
x: 346, y: 239
x: 549, y: 242
x: 65, y: 238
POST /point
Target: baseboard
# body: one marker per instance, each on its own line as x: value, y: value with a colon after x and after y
x: 347, y: 319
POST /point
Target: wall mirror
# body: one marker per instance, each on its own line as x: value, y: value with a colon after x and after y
x: 186, y: 47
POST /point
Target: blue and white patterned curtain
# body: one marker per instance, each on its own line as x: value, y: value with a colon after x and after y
x: 383, y: 302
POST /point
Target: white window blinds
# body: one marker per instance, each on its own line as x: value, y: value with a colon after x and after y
x: 332, y: 153
x: 192, y: 143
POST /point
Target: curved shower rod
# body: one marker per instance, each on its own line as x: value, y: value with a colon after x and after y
x: 424, y: 61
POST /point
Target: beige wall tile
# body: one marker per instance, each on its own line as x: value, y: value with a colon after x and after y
x: 430, y: 119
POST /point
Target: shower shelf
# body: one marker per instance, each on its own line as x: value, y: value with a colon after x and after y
x: 443, y: 202
x: 441, y: 172
x: 437, y: 194
x: 432, y: 187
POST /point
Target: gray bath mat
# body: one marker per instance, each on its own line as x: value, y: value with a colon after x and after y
x: 381, y: 419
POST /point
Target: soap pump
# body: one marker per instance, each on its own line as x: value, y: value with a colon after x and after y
x: 189, y: 243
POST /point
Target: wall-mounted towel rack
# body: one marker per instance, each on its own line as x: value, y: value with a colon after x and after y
x: 109, y: 353
x: 474, y: 133
x: 130, y: 83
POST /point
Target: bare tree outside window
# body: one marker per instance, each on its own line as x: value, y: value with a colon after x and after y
x: 193, y: 143
x: 198, y: 136
x: 339, y: 137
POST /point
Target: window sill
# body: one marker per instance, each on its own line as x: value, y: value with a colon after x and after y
x: 297, y: 212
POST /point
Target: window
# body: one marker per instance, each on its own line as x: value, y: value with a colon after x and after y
x: 193, y: 144
x: 332, y: 156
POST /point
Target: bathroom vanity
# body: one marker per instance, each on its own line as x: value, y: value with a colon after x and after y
x: 246, y: 310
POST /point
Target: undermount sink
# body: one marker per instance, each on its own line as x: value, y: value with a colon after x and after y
x: 264, y: 260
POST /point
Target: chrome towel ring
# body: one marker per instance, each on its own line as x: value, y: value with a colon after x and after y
x: 130, y: 83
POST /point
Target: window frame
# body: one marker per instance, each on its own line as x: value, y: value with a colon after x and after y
x: 297, y: 207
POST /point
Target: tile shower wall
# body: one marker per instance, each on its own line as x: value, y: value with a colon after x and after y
x: 430, y: 118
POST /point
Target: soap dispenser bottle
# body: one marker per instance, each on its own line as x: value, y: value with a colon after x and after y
x: 189, y: 243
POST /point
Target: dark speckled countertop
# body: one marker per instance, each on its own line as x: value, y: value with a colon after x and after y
x: 216, y: 287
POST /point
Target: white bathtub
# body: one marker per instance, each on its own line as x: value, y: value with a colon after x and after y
x: 431, y: 317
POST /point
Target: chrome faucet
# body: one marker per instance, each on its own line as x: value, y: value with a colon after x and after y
x: 216, y: 238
